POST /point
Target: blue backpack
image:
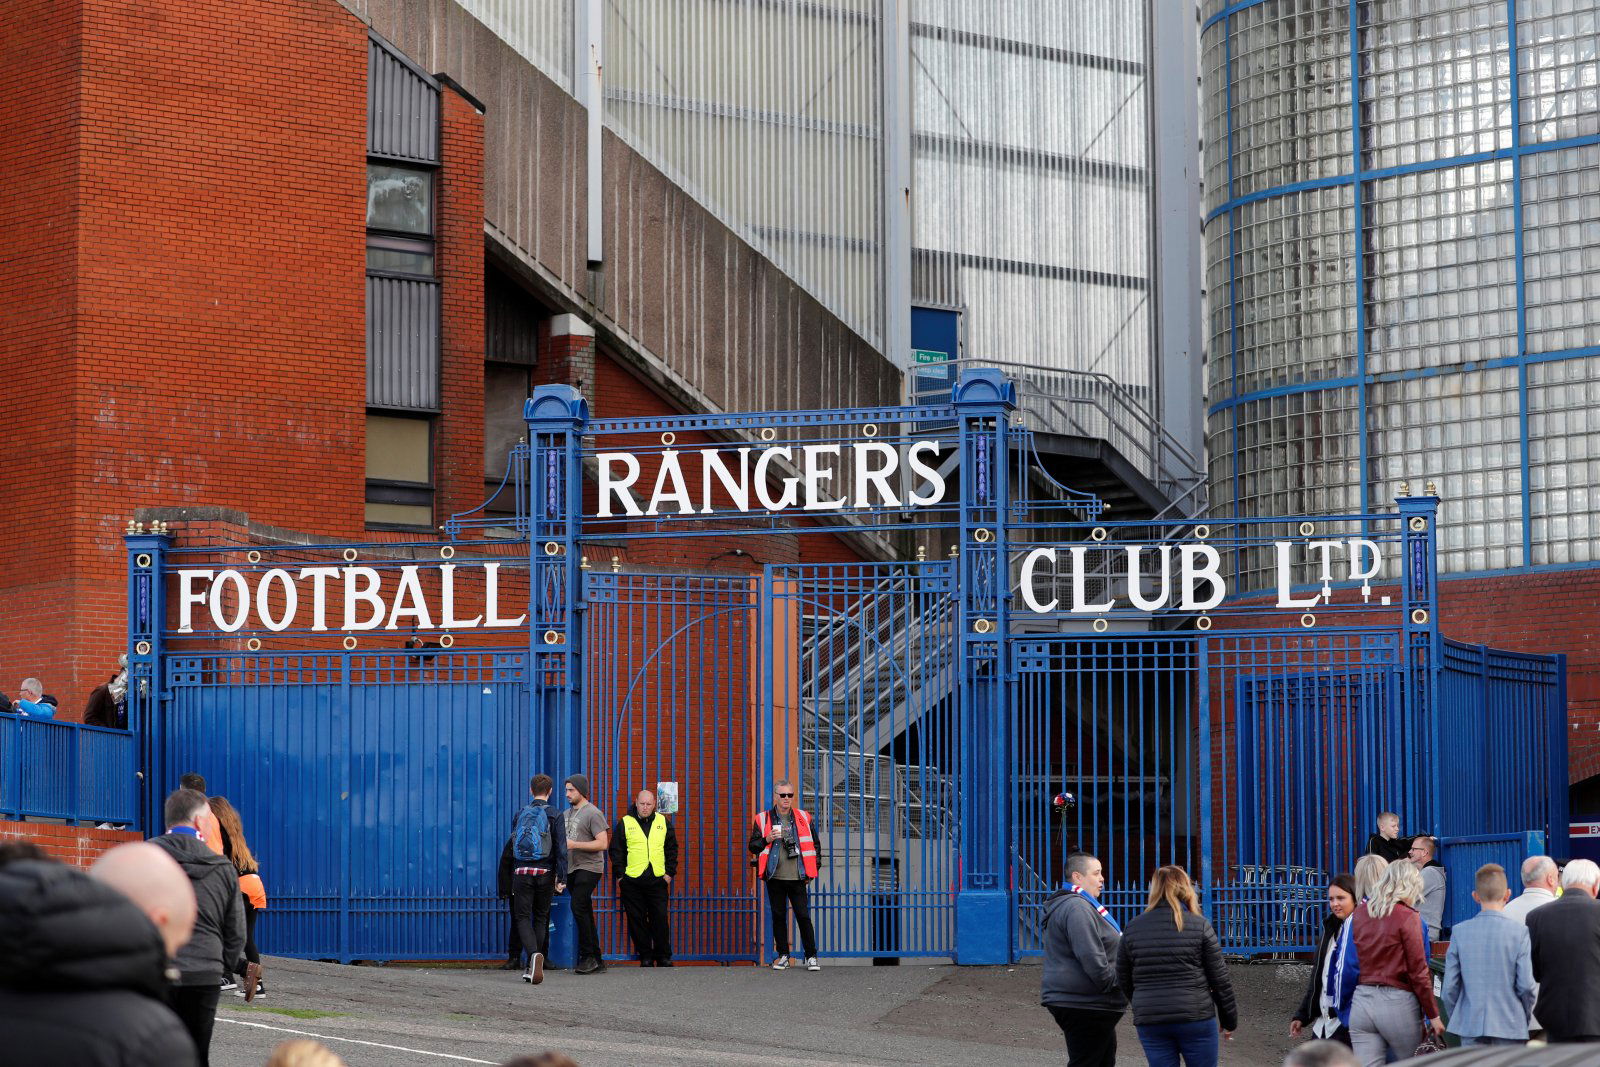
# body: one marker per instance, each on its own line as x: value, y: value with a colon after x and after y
x: 530, y: 841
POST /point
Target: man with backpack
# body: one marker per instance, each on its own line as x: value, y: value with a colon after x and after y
x: 539, y: 871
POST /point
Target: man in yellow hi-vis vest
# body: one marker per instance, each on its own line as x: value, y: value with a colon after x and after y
x: 644, y: 859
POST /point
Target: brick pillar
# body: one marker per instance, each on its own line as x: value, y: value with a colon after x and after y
x: 567, y: 355
x: 458, y: 443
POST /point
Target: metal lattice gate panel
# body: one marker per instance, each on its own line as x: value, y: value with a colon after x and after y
x: 377, y: 790
x: 862, y: 716
x: 1257, y: 762
x: 673, y: 662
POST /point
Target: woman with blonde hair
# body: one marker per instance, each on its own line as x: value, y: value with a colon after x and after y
x: 303, y: 1053
x: 237, y: 849
x: 1170, y: 967
x: 1394, y: 991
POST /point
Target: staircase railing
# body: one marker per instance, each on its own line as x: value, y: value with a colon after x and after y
x: 1096, y: 406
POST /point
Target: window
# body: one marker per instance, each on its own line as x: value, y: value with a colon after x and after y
x: 399, y: 220
x: 399, y: 472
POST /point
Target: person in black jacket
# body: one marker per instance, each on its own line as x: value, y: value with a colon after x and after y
x: 1317, y: 1011
x: 1566, y: 956
x: 82, y: 974
x: 1387, y: 842
x: 1078, y: 983
x: 1170, y: 966
x: 217, y: 946
x: 502, y: 889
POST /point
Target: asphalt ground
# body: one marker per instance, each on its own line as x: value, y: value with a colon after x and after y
x: 399, y: 1016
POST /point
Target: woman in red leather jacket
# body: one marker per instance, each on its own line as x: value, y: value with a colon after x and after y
x: 1395, y: 993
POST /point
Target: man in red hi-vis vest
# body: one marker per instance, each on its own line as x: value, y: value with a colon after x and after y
x: 784, y: 843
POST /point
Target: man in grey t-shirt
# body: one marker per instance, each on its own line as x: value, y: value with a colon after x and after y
x: 588, y: 835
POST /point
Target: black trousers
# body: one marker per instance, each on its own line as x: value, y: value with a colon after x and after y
x: 251, y: 953
x: 644, y: 902
x: 583, y: 884
x: 783, y: 895
x: 530, y: 903
x: 196, y: 1005
x: 1091, y: 1035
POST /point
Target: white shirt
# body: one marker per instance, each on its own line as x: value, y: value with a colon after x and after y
x: 1532, y: 897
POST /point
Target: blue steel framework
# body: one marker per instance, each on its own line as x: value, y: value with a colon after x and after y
x: 926, y: 729
x: 1518, y: 139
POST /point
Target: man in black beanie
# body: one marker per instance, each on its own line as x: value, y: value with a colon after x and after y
x: 588, y: 835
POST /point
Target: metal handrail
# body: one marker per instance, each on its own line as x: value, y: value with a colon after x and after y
x: 1130, y: 425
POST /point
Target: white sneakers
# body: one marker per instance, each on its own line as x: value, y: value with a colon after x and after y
x: 782, y: 963
x: 535, y: 972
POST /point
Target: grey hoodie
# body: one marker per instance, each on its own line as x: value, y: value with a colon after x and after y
x: 1080, y: 956
x: 218, y: 941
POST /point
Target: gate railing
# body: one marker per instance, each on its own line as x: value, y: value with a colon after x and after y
x: 52, y: 769
x: 1462, y: 856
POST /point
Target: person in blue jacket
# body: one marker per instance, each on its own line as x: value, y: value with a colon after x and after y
x: 30, y: 700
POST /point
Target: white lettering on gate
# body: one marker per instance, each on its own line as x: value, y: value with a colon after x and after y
x: 873, y: 465
x: 1199, y: 579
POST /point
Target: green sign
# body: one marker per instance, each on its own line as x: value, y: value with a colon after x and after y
x: 930, y: 355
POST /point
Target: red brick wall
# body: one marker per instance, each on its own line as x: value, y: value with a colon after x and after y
x: 187, y: 324
x: 458, y: 436
x: 77, y: 845
x: 39, y: 146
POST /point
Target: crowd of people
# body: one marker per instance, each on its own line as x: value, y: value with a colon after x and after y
x: 1524, y: 968
x: 550, y: 851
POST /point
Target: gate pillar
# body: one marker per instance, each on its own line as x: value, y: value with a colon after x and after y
x: 147, y: 619
x: 984, y: 401
x: 1421, y: 664
x: 556, y: 416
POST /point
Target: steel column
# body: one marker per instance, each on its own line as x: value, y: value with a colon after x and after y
x: 984, y: 401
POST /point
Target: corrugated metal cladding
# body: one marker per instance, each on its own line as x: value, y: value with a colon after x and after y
x: 402, y: 107
x: 402, y: 343
x: 1031, y: 163
x: 769, y: 112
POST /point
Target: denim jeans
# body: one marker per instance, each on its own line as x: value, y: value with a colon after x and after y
x: 1195, y: 1043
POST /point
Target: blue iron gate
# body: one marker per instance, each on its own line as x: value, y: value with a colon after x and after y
x: 673, y: 661
x: 861, y: 696
x: 375, y: 710
x: 376, y: 789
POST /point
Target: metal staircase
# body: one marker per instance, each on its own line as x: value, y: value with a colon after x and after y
x: 871, y: 672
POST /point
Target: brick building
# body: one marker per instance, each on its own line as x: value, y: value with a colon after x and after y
x: 261, y: 258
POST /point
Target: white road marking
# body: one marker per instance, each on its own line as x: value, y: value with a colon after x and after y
x: 354, y: 1041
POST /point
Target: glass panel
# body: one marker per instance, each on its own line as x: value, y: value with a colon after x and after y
x: 1214, y: 115
x: 1291, y: 94
x: 1436, y: 79
x: 1564, y: 460
x: 1558, y: 77
x: 1297, y: 455
x: 1219, y: 317
x: 1441, y: 268
x: 400, y: 262
x: 1296, y: 289
x: 1462, y: 432
x: 397, y: 450
x: 399, y: 199
x: 1561, y: 248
